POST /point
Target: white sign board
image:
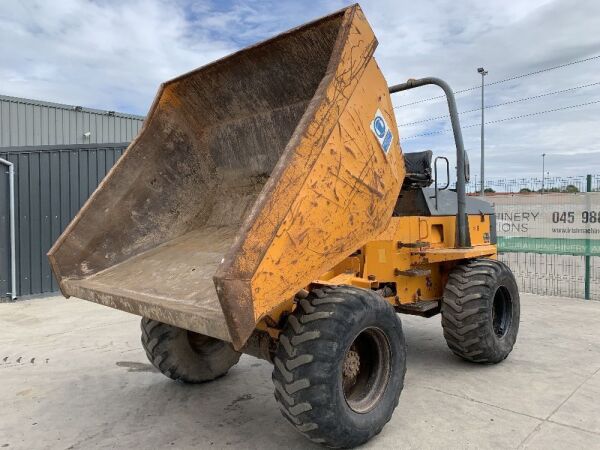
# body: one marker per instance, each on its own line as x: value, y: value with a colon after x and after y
x: 548, y: 223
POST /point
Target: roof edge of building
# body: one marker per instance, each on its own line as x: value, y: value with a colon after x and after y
x: 77, y: 108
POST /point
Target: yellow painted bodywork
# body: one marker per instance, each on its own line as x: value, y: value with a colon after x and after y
x: 253, y: 178
x: 338, y: 188
x: 308, y: 241
x: 423, y: 243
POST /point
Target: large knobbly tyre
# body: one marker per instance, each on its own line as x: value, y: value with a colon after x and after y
x: 480, y: 311
x: 186, y: 356
x: 339, y: 366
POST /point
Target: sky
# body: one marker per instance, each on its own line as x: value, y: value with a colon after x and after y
x: 114, y: 54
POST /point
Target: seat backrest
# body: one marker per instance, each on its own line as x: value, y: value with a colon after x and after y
x: 418, y: 169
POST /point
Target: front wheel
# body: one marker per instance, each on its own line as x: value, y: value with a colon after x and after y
x: 340, y: 364
x: 481, y: 311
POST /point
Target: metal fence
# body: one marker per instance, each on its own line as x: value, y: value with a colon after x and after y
x: 51, y: 185
x: 550, y: 236
x: 531, y: 185
x: 552, y: 274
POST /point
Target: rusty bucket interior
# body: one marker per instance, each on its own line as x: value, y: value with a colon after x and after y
x: 178, y: 206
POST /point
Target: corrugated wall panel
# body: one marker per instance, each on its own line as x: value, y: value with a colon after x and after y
x: 52, y: 183
x: 4, y: 124
x: 35, y: 244
x: 21, y: 134
x: 55, y: 205
x: 44, y: 126
x: 45, y: 218
x: 26, y: 122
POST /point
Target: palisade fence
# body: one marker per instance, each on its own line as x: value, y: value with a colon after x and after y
x: 549, y: 232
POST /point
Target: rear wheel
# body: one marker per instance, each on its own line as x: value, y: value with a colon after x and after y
x: 481, y: 310
x: 339, y: 367
x: 184, y: 355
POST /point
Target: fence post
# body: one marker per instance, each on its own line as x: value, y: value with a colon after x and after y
x: 587, y: 248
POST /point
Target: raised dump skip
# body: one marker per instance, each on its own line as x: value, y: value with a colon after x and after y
x: 224, y: 186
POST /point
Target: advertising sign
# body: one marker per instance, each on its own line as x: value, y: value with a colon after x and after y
x: 548, y: 223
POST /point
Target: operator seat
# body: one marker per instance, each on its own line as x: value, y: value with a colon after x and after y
x: 418, y: 170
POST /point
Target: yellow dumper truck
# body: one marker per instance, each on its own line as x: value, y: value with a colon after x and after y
x: 267, y: 208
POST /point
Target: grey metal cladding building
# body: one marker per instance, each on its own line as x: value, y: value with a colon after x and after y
x: 58, y: 154
x: 26, y: 122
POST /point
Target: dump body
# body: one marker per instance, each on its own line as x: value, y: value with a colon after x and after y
x: 251, y: 177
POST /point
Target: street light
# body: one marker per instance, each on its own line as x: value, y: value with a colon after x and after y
x: 483, y: 73
x: 543, y: 171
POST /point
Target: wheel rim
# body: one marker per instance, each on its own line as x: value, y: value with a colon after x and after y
x: 366, y: 370
x: 502, y: 312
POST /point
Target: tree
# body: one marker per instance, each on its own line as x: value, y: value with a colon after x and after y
x: 571, y: 189
x: 525, y: 191
x: 489, y: 191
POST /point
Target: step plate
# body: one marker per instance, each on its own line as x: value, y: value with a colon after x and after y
x: 422, y: 308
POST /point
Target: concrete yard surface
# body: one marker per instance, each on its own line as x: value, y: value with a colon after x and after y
x: 73, y: 375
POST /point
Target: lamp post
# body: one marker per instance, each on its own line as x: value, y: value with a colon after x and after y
x: 543, y: 170
x: 483, y: 73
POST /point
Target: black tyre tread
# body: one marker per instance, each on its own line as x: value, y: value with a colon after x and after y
x: 169, y: 350
x: 466, y: 309
x: 298, y: 397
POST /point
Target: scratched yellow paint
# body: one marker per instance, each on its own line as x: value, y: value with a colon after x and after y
x: 334, y: 191
x: 348, y: 195
x: 438, y: 257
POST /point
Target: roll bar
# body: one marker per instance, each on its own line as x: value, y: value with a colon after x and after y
x: 463, y: 238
